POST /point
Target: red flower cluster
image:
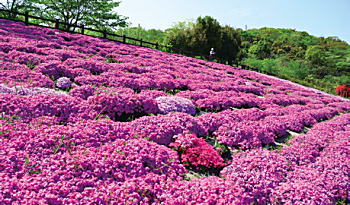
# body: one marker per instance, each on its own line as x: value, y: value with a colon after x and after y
x: 197, y: 152
x: 343, y: 90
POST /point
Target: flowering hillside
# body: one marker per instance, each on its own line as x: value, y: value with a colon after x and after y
x: 87, y: 121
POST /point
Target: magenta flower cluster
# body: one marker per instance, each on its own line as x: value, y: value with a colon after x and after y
x: 84, y: 120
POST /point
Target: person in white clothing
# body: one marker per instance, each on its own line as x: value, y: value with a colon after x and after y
x: 212, y: 54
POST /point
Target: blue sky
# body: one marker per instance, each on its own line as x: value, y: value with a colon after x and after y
x: 317, y: 17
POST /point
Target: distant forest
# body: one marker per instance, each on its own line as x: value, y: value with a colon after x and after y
x: 319, y: 62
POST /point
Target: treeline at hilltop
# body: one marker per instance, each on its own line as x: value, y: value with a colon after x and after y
x: 319, y: 62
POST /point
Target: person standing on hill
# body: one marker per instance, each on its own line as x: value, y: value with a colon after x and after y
x: 212, y: 54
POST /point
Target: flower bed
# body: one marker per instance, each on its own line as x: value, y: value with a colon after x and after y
x: 87, y: 121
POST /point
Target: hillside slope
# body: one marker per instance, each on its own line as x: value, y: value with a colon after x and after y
x: 318, y: 62
x: 85, y: 120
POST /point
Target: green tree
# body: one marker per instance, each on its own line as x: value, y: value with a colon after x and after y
x: 230, y: 45
x: 97, y: 13
x: 321, y: 64
x: 261, y: 50
x: 206, y: 34
x: 15, y: 6
x: 179, y: 35
x: 315, y: 55
x: 150, y: 35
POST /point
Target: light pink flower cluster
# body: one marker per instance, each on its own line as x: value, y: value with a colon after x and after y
x: 63, y: 83
x: 19, y: 90
x: 175, y: 104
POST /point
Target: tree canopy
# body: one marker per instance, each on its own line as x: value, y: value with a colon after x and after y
x: 138, y: 32
x: 14, y: 5
x: 315, y: 61
x: 206, y: 33
x: 97, y: 13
